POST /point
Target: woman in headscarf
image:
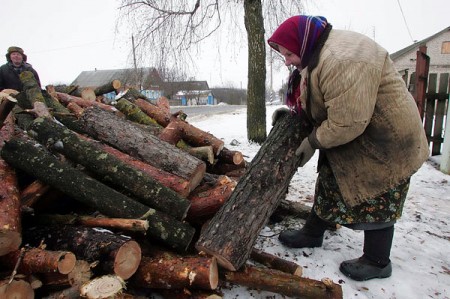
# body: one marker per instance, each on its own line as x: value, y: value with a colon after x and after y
x: 367, y: 129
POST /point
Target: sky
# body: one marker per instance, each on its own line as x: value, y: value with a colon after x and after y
x: 420, y: 251
x: 62, y: 38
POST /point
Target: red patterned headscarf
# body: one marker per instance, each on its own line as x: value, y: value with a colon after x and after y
x: 299, y: 35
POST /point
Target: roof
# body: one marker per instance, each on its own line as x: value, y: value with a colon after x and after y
x: 416, y: 45
x: 125, y: 76
x: 188, y: 85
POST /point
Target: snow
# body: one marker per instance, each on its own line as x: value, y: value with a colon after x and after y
x: 420, y: 252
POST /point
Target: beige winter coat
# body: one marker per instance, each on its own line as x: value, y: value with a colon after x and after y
x: 366, y: 120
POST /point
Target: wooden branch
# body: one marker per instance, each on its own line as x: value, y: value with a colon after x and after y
x: 121, y: 224
x: 275, y: 262
x: 37, y: 260
x: 255, y: 197
x: 283, y: 283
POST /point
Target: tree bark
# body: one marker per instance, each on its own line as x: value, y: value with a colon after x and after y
x: 136, y: 142
x: 134, y: 113
x: 66, y: 99
x: 162, y: 116
x: 185, y: 272
x: 275, y: 262
x: 109, y: 169
x: 80, y: 274
x: 256, y: 90
x: 37, y: 260
x: 117, y: 254
x: 232, y: 232
x: 10, y: 217
x: 17, y: 289
x: 283, y: 283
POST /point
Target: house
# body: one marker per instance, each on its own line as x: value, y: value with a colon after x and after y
x: 438, y: 49
x: 189, y: 93
x: 147, y: 80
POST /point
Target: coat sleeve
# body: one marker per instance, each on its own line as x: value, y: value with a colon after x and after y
x: 349, y: 92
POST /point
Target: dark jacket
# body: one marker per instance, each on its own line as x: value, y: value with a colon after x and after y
x: 9, y: 76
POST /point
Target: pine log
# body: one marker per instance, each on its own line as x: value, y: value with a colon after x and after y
x: 196, y: 272
x: 288, y: 208
x: 160, y: 114
x: 275, y: 262
x: 230, y: 156
x: 232, y: 232
x: 36, y: 260
x: 75, y: 109
x: 114, y: 85
x: 134, y: 113
x: 193, y: 135
x: 69, y: 293
x: 37, y: 161
x: 109, y: 169
x: 66, y: 99
x: 283, y: 283
x: 189, y: 294
x: 133, y: 140
x: 107, y: 286
x: 31, y: 89
x: 17, y: 289
x: 206, y: 202
x: 204, y: 153
x: 10, y: 217
x: 80, y: 274
x: 85, y: 93
x: 116, y: 253
x: 32, y: 193
x: 135, y: 225
x: 176, y: 183
x: 163, y: 103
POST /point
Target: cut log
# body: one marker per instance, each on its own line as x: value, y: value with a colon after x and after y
x: 230, y: 156
x: 120, y: 224
x: 116, y: 254
x: 160, y: 114
x: 134, y: 113
x: 32, y: 193
x: 197, y: 272
x: 109, y: 169
x: 275, y: 262
x: 10, y: 217
x: 17, y: 289
x: 232, y: 232
x: 176, y: 183
x: 288, y: 208
x: 228, y: 169
x: 206, y: 202
x: 69, y: 293
x: 189, y: 294
x: 66, y: 99
x: 31, y: 89
x: 107, y: 286
x: 114, y: 85
x: 85, y: 93
x: 133, y: 140
x: 283, y: 283
x: 80, y: 274
x: 37, y: 161
x: 75, y: 109
x: 35, y: 260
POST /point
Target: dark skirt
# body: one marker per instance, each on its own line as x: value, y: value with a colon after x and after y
x: 330, y: 206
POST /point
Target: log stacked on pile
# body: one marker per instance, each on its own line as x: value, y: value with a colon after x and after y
x: 107, y: 198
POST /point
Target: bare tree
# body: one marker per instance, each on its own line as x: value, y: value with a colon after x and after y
x: 171, y: 31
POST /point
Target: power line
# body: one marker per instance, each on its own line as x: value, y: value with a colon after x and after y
x: 404, y: 19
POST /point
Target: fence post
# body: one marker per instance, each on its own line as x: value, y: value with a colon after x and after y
x: 445, y: 158
x: 422, y: 67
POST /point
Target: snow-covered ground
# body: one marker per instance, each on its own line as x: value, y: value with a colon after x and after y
x: 420, y: 252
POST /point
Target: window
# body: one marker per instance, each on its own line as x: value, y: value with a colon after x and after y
x: 445, y: 47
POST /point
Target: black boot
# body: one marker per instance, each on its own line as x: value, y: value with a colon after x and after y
x: 311, y: 235
x: 375, y: 262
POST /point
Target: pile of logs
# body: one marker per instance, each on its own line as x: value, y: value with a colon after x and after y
x: 129, y: 200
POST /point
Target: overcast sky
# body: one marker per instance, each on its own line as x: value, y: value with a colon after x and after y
x: 62, y: 38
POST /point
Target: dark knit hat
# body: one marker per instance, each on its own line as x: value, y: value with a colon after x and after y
x: 15, y: 49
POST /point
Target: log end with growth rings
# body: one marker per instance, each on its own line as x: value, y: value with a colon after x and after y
x: 66, y: 263
x: 127, y: 259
